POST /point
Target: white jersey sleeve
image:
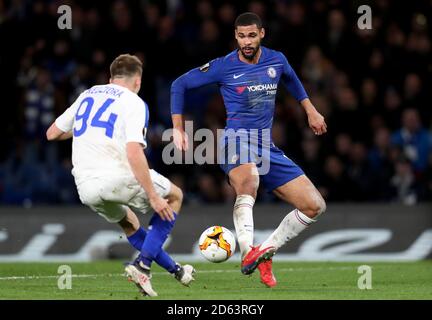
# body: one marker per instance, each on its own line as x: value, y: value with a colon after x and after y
x: 136, y: 118
x: 65, y: 121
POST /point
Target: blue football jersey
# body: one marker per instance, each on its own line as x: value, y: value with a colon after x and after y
x: 248, y: 90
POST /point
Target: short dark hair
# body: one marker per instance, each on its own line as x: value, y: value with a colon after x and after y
x: 126, y: 65
x: 247, y: 19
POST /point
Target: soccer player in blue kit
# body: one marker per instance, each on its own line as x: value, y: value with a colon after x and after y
x: 248, y: 79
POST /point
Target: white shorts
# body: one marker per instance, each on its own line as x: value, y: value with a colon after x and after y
x: 110, y: 196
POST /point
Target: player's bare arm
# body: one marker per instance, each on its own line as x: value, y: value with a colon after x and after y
x: 195, y: 78
x: 180, y: 136
x: 55, y: 134
x: 315, y: 119
x: 140, y: 168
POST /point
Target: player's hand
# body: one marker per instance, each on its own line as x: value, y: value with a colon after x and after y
x: 317, y: 123
x: 162, y: 208
x: 181, y: 139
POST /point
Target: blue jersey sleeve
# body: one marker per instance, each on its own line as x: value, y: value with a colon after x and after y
x: 291, y: 81
x: 209, y: 73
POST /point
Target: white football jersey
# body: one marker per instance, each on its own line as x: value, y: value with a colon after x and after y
x: 103, y: 119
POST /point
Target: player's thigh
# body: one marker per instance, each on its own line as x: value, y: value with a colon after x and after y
x: 244, y: 178
x: 92, y: 193
x: 140, y: 202
x: 303, y: 195
x: 113, y: 212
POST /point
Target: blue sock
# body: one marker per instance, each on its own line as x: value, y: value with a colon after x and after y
x: 165, y: 261
x: 155, y: 238
x: 137, y: 239
x: 162, y: 259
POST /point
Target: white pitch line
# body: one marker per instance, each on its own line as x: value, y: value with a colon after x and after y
x: 52, y: 277
x: 165, y: 273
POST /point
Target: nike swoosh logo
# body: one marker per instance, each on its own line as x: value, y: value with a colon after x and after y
x: 238, y: 75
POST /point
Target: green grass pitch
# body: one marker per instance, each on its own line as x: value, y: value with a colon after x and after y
x: 296, y: 280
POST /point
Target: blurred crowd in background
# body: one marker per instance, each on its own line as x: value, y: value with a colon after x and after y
x: 372, y: 86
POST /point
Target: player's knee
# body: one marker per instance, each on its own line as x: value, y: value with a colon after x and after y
x: 314, y: 207
x: 320, y: 208
x: 176, y: 194
x: 129, y: 226
x: 248, y: 186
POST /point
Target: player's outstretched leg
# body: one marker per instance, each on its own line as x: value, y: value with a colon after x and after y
x: 136, y: 236
x: 184, y: 274
x: 160, y: 229
x: 309, y: 204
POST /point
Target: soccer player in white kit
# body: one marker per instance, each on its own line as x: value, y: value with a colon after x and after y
x: 108, y: 124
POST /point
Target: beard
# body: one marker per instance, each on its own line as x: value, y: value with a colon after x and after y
x: 249, y: 52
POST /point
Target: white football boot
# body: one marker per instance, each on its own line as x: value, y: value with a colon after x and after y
x: 140, y: 275
x: 185, y: 274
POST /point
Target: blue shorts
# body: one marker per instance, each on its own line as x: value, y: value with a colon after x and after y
x: 278, y: 169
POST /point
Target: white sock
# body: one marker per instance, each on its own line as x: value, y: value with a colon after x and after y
x: 290, y: 227
x: 243, y: 222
